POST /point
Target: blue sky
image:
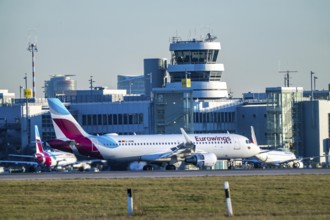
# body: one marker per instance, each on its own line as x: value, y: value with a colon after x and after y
x: 106, y: 38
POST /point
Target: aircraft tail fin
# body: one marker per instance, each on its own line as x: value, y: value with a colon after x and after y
x: 65, y: 124
x: 39, y: 148
x: 253, y: 136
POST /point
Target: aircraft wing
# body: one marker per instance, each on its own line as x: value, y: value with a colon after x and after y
x: 165, y: 155
x: 276, y: 163
x: 19, y: 162
x: 187, y: 147
x: 285, y: 161
x: 301, y: 159
x: 311, y: 158
x: 19, y: 155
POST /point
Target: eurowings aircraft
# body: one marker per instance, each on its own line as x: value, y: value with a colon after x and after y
x: 201, y: 150
x: 274, y: 157
x: 49, y: 159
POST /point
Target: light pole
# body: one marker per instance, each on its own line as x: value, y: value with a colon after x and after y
x: 20, y: 92
x: 315, y: 78
x: 151, y: 121
x: 130, y: 87
x: 33, y: 48
x: 312, y: 73
x: 27, y: 111
x: 312, y: 97
x: 150, y: 85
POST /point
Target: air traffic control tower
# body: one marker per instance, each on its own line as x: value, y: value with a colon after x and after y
x: 197, y: 60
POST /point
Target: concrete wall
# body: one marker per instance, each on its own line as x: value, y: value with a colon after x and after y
x: 252, y: 115
x: 316, y: 128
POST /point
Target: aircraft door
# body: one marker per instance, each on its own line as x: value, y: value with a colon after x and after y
x: 93, y: 147
x: 92, y: 144
x: 237, y: 146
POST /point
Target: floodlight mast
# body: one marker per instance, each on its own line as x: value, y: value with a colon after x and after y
x: 33, y: 48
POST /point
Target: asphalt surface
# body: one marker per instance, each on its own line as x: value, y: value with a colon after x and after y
x: 159, y: 174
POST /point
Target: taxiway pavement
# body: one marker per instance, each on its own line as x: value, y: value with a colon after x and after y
x: 159, y: 174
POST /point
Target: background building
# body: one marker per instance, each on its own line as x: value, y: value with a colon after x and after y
x: 316, y: 129
x: 132, y: 84
x: 58, y: 85
x: 284, y: 116
x: 172, y: 110
x: 154, y: 74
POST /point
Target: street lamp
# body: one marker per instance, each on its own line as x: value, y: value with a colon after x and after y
x: 150, y: 85
x: 20, y: 92
x: 130, y: 88
x: 312, y: 73
x: 315, y: 78
x: 27, y: 111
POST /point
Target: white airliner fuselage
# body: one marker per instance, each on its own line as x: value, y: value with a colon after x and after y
x: 134, y: 147
x: 202, y: 150
x: 274, y: 157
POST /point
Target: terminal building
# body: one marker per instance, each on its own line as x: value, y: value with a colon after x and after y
x: 184, y: 92
x: 132, y: 84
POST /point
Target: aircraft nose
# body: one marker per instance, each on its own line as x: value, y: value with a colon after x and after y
x: 256, y: 149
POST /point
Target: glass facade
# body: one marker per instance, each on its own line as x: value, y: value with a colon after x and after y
x: 194, y: 56
x: 173, y: 110
x: 283, y: 115
x: 197, y: 76
x: 132, y: 84
x: 112, y: 119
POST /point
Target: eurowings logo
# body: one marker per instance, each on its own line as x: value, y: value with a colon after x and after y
x: 69, y: 129
x: 216, y: 138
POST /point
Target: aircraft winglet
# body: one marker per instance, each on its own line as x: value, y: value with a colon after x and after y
x: 185, y: 135
x: 189, y: 142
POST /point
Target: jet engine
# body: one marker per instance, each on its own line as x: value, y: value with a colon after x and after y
x: 136, y: 165
x: 202, y: 159
x: 298, y: 164
x: 43, y: 159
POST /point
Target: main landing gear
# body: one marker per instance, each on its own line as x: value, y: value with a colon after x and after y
x: 170, y: 167
x: 148, y: 168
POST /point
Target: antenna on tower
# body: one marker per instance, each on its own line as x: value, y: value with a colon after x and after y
x: 91, y: 81
x: 33, y: 48
x: 287, y: 76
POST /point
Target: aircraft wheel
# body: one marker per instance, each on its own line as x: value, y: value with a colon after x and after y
x: 98, y: 166
x: 148, y: 168
x: 36, y: 169
x: 296, y: 165
x: 170, y: 167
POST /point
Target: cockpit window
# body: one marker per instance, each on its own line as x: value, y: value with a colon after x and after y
x: 247, y: 141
